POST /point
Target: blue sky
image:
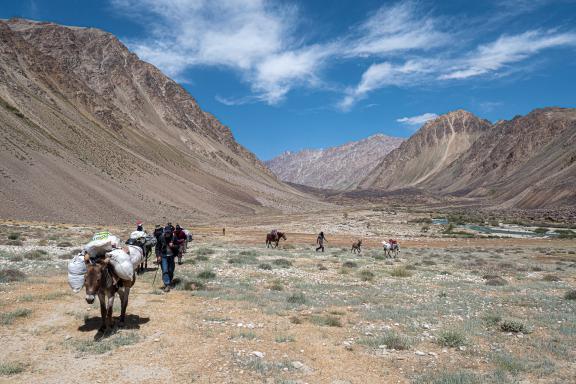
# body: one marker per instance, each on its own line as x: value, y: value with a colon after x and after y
x: 288, y: 75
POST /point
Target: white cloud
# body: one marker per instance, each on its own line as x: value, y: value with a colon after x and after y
x: 507, y: 50
x: 386, y: 74
x: 398, y: 28
x: 260, y: 41
x: 248, y: 36
x: 417, y: 120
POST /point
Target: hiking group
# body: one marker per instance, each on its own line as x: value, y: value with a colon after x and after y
x: 170, y: 244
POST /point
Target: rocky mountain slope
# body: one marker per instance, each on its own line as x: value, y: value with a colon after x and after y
x: 527, y: 162
x: 336, y: 168
x: 433, y: 147
x: 89, y: 133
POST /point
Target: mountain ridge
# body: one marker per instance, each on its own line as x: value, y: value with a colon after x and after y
x: 92, y: 126
x: 339, y: 167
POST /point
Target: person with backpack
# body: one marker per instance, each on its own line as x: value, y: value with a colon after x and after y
x: 180, y: 239
x: 320, y: 241
x: 168, y: 254
x: 158, y: 232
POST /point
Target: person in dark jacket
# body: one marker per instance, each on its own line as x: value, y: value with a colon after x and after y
x: 167, y: 258
x: 158, y: 232
x: 180, y: 239
x: 320, y: 241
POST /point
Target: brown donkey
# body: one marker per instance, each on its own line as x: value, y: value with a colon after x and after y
x: 357, y: 247
x: 102, y: 281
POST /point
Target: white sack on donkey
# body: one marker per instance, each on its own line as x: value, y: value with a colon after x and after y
x: 136, y: 255
x: 76, y: 272
x: 121, y: 263
x: 101, y: 243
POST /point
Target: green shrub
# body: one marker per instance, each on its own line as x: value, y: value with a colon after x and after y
x: 391, y: 340
x: 509, y: 363
x: 492, y: 319
x: 38, y: 254
x: 349, y: 264
x: 328, y: 321
x: 11, y: 275
x: 366, y: 275
x: 284, y: 263
x: 541, y: 230
x: 250, y: 253
x: 570, y: 295
x: 64, y: 244
x: 551, y: 278
x: 400, y: 272
x: 265, y: 266
x: 14, y: 236
x: 16, y: 243
x: 451, y: 338
x: 202, y: 258
x: 513, y: 326
x: 97, y: 347
x: 207, y: 275
x: 284, y: 339
x: 187, y: 285
x: 296, y: 298
x: 8, y: 318
x: 9, y: 369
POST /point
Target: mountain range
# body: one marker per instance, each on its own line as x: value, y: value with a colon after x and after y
x: 338, y: 168
x: 527, y: 162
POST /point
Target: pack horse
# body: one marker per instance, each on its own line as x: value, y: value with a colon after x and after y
x: 273, y: 239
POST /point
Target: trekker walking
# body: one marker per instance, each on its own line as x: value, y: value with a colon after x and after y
x: 158, y: 232
x: 320, y: 241
x: 179, y: 240
x: 167, y: 258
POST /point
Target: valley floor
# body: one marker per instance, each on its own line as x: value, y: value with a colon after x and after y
x: 449, y: 310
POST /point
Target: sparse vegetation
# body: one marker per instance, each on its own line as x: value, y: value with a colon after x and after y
x: 37, y: 254
x: 93, y: 347
x: 203, y: 251
x: 328, y: 321
x: 283, y: 263
x: 350, y: 264
x: 391, y: 340
x: 276, y: 286
x: 366, y: 275
x: 400, y: 272
x: 207, y: 275
x: 8, y: 318
x: 11, y: 368
x: 265, y: 266
x: 513, y: 326
x: 296, y: 298
x: 451, y: 338
x: 570, y: 295
x: 11, y: 275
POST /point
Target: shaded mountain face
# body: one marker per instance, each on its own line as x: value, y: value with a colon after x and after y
x: 527, y: 162
x: 336, y: 168
x: 436, y: 145
x: 89, y: 133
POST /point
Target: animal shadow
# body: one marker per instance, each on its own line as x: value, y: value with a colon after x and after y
x: 94, y: 323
